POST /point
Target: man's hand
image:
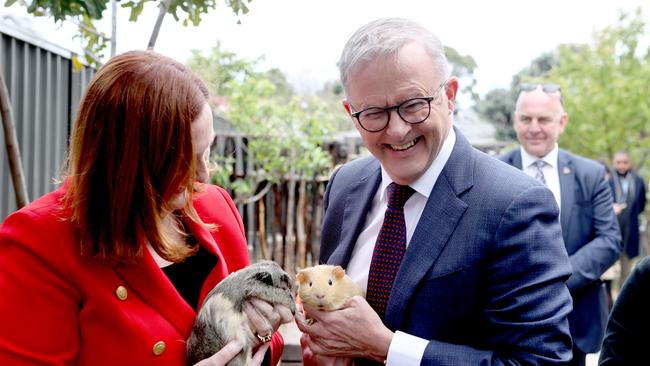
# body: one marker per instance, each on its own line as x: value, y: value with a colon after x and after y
x: 337, y: 333
x: 309, y: 358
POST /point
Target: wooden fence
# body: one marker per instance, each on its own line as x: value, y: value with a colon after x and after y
x: 284, y: 223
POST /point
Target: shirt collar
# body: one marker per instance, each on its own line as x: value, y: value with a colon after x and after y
x: 550, y: 158
x: 424, y: 184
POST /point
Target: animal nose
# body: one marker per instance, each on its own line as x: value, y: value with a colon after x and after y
x: 320, y: 297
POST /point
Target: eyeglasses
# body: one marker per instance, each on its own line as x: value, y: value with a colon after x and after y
x: 413, y: 111
x: 546, y: 88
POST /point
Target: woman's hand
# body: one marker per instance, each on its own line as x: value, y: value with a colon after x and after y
x: 264, y: 319
x: 231, y: 350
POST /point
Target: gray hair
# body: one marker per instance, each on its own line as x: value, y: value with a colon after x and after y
x: 384, y: 37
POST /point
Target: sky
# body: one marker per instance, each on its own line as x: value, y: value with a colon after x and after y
x: 304, y: 38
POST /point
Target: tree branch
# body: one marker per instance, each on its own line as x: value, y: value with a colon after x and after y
x: 11, y: 143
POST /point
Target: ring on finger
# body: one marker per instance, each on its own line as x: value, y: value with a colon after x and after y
x: 265, y: 338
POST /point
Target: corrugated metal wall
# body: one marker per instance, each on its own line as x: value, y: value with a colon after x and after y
x: 45, y: 92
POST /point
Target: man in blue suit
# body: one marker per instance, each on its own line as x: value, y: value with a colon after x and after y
x: 475, y: 269
x: 629, y: 201
x: 579, y: 187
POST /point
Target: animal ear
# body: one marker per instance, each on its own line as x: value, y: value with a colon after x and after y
x: 339, y: 272
x: 264, y: 277
x: 302, y: 277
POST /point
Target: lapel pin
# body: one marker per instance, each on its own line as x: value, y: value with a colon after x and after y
x: 566, y: 170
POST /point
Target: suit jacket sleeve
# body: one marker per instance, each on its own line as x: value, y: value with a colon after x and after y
x: 527, y: 302
x: 592, y: 259
x: 625, y: 338
x: 641, y: 185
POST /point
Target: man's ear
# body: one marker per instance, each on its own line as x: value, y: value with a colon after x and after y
x: 451, y: 90
x: 564, y: 120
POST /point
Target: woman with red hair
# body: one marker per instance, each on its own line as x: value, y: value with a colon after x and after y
x: 110, y: 268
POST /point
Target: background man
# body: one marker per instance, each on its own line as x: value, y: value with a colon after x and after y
x: 629, y: 202
x: 461, y: 255
x: 589, y: 228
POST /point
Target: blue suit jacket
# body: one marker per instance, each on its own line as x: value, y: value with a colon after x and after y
x: 592, y: 238
x: 483, y: 277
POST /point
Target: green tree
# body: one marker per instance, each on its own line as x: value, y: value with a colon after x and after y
x: 463, y: 67
x: 221, y: 68
x: 84, y: 13
x: 498, y: 104
x: 606, y: 91
x: 285, y: 132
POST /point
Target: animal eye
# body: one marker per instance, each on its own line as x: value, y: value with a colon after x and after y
x: 309, y: 284
x: 330, y: 282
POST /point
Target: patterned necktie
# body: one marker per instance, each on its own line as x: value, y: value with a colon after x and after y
x: 389, y: 249
x: 539, y: 174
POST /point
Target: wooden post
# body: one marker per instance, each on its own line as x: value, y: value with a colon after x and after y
x: 318, y: 218
x: 290, y: 237
x: 278, y: 241
x: 261, y: 214
x: 300, y: 223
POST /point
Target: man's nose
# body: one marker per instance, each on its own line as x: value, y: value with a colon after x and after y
x: 396, y: 125
x: 534, y: 126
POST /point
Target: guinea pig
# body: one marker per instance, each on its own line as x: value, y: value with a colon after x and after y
x: 326, y: 287
x: 221, y: 319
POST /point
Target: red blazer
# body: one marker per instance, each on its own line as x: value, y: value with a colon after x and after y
x: 58, y: 308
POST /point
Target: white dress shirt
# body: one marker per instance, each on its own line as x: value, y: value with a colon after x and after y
x: 550, y: 170
x: 405, y: 349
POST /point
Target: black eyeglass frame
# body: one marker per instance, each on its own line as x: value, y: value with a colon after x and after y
x: 397, y: 107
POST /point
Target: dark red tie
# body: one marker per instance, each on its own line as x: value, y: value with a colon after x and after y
x: 389, y: 249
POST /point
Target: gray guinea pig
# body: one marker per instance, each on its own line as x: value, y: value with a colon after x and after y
x: 221, y: 319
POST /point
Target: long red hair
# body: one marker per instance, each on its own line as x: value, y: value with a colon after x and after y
x: 130, y: 153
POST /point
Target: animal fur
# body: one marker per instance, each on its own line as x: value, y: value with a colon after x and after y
x: 221, y: 319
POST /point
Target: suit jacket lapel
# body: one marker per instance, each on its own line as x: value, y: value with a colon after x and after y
x: 441, y: 214
x: 356, y: 208
x: 515, y: 159
x: 567, y: 189
x: 146, y: 280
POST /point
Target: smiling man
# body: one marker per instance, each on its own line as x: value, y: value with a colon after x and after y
x: 589, y: 227
x: 460, y: 255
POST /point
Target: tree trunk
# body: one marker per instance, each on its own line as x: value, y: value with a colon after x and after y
x: 164, y: 5
x: 11, y: 143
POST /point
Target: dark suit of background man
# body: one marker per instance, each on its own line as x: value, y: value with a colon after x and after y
x: 629, y: 202
x: 482, y: 279
x: 589, y: 227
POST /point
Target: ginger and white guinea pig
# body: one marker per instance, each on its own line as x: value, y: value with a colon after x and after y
x: 326, y: 287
